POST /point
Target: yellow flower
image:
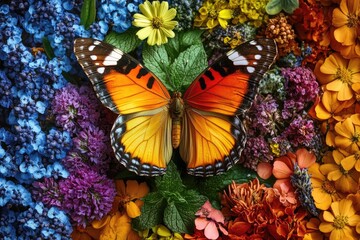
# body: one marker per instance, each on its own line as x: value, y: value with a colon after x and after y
x: 324, y: 192
x: 341, y: 221
x: 338, y: 74
x: 345, y: 181
x: 160, y: 232
x: 249, y: 10
x: 346, y: 20
x: 347, y: 135
x: 312, y: 230
x: 351, y: 161
x: 155, y: 21
x: 211, y: 14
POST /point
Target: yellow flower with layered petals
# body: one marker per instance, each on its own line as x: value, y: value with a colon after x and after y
x: 212, y: 14
x: 156, y: 22
x: 338, y: 74
x: 346, y: 20
x: 347, y: 135
x: 324, y: 192
x: 340, y: 222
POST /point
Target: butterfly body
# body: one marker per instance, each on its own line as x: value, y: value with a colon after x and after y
x: 177, y: 113
x: 204, y: 123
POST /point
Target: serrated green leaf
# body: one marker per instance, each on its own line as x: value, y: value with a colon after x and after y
x: 187, y: 66
x: 179, y: 216
x: 126, y: 41
x: 152, y: 212
x: 170, y: 183
x: 191, y: 37
x: 173, y: 48
x: 47, y: 48
x: 157, y: 61
x: 88, y: 13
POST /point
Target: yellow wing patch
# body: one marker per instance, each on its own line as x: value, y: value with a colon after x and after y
x: 143, y: 141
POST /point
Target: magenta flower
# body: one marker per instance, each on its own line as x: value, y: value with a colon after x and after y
x: 210, y: 220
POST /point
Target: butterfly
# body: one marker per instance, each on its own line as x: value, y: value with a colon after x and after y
x: 204, y: 123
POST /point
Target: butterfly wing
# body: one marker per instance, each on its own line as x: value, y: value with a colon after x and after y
x: 140, y: 137
x: 214, y: 136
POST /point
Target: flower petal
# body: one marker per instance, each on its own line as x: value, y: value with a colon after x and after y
x: 201, y: 223
x: 211, y: 231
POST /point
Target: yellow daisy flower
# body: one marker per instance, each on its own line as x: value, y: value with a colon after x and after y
x: 156, y: 22
x: 340, y: 222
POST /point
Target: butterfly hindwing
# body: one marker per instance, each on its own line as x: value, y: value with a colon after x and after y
x: 141, y: 136
x: 213, y: 133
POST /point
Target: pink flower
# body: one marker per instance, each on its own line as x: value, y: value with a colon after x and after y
x: 210, y: 220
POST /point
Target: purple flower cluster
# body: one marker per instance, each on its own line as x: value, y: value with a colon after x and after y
x: 301, y: 89
x: 87, y: 195
x: 277, y: 121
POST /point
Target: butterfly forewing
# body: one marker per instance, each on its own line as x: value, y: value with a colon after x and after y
x: 218, y: 98
x: 141, y: 136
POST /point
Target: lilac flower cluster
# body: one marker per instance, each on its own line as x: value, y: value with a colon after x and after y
x: 277, y: 121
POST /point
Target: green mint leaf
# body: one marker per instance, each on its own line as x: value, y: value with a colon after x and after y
x: 170, y: 183
x: 173, y: 48
x: 191, y: 37
x: 88, y: 13
x: 156, y: 59
x: 187, y: 66
x: 289, y: 6
x: 126, y: 41
x: 47, y: 48
x: 152, y: 212
x: 179, y: 215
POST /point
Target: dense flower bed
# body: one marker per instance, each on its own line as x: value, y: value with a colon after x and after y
x: 299, y: 174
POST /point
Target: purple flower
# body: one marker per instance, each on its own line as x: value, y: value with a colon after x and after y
x: 75, y: 108
x: 263, y: 115
x: 256, y: 150
x: 87, y: 195
x: 301, y: 89
x: 94, y: 143
x: 300, y: 132
x: 47, y: 192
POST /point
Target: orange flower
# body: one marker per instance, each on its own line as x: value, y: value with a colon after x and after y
x: 338, y: 74
x: 284, y: 165
x: 345, y: 181
x: 330, y: 108
x: 129, y: 195
x: 312, y: 230
x: 256, y: 211
x: 324, y: 192
x: 117, y: 226
x: 88, y: 233
x: 346, y: 21
x: 347, y: 134
x: 351, y: 161
x: 341, y: 221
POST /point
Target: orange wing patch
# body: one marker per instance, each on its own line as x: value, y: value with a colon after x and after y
x: 211, y: 143
x: 131, y: 94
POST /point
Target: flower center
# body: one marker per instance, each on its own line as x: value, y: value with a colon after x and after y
x: 355, y: 138
x: 352, y: 20
x: 340, y: 221
x: 328, y: 187
x: 344, y: 75
x: 157, y: 22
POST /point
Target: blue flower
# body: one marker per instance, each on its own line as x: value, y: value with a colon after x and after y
x: 50, y: 223
x: 7, y: 224
x: 57, y: 144
x: 56, y: 170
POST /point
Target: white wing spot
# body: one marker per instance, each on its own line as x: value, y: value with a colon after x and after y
x: 93, y: 57
x: 97, y: 42
x: 253, y: 42
x: 259, y: 47
x: 250, y: 69
x: 237, y: 58
x: 91, y: 48
x: 101, y: 70
x: 257, y: 56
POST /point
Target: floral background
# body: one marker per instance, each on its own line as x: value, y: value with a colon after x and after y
x: 299, y: 174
